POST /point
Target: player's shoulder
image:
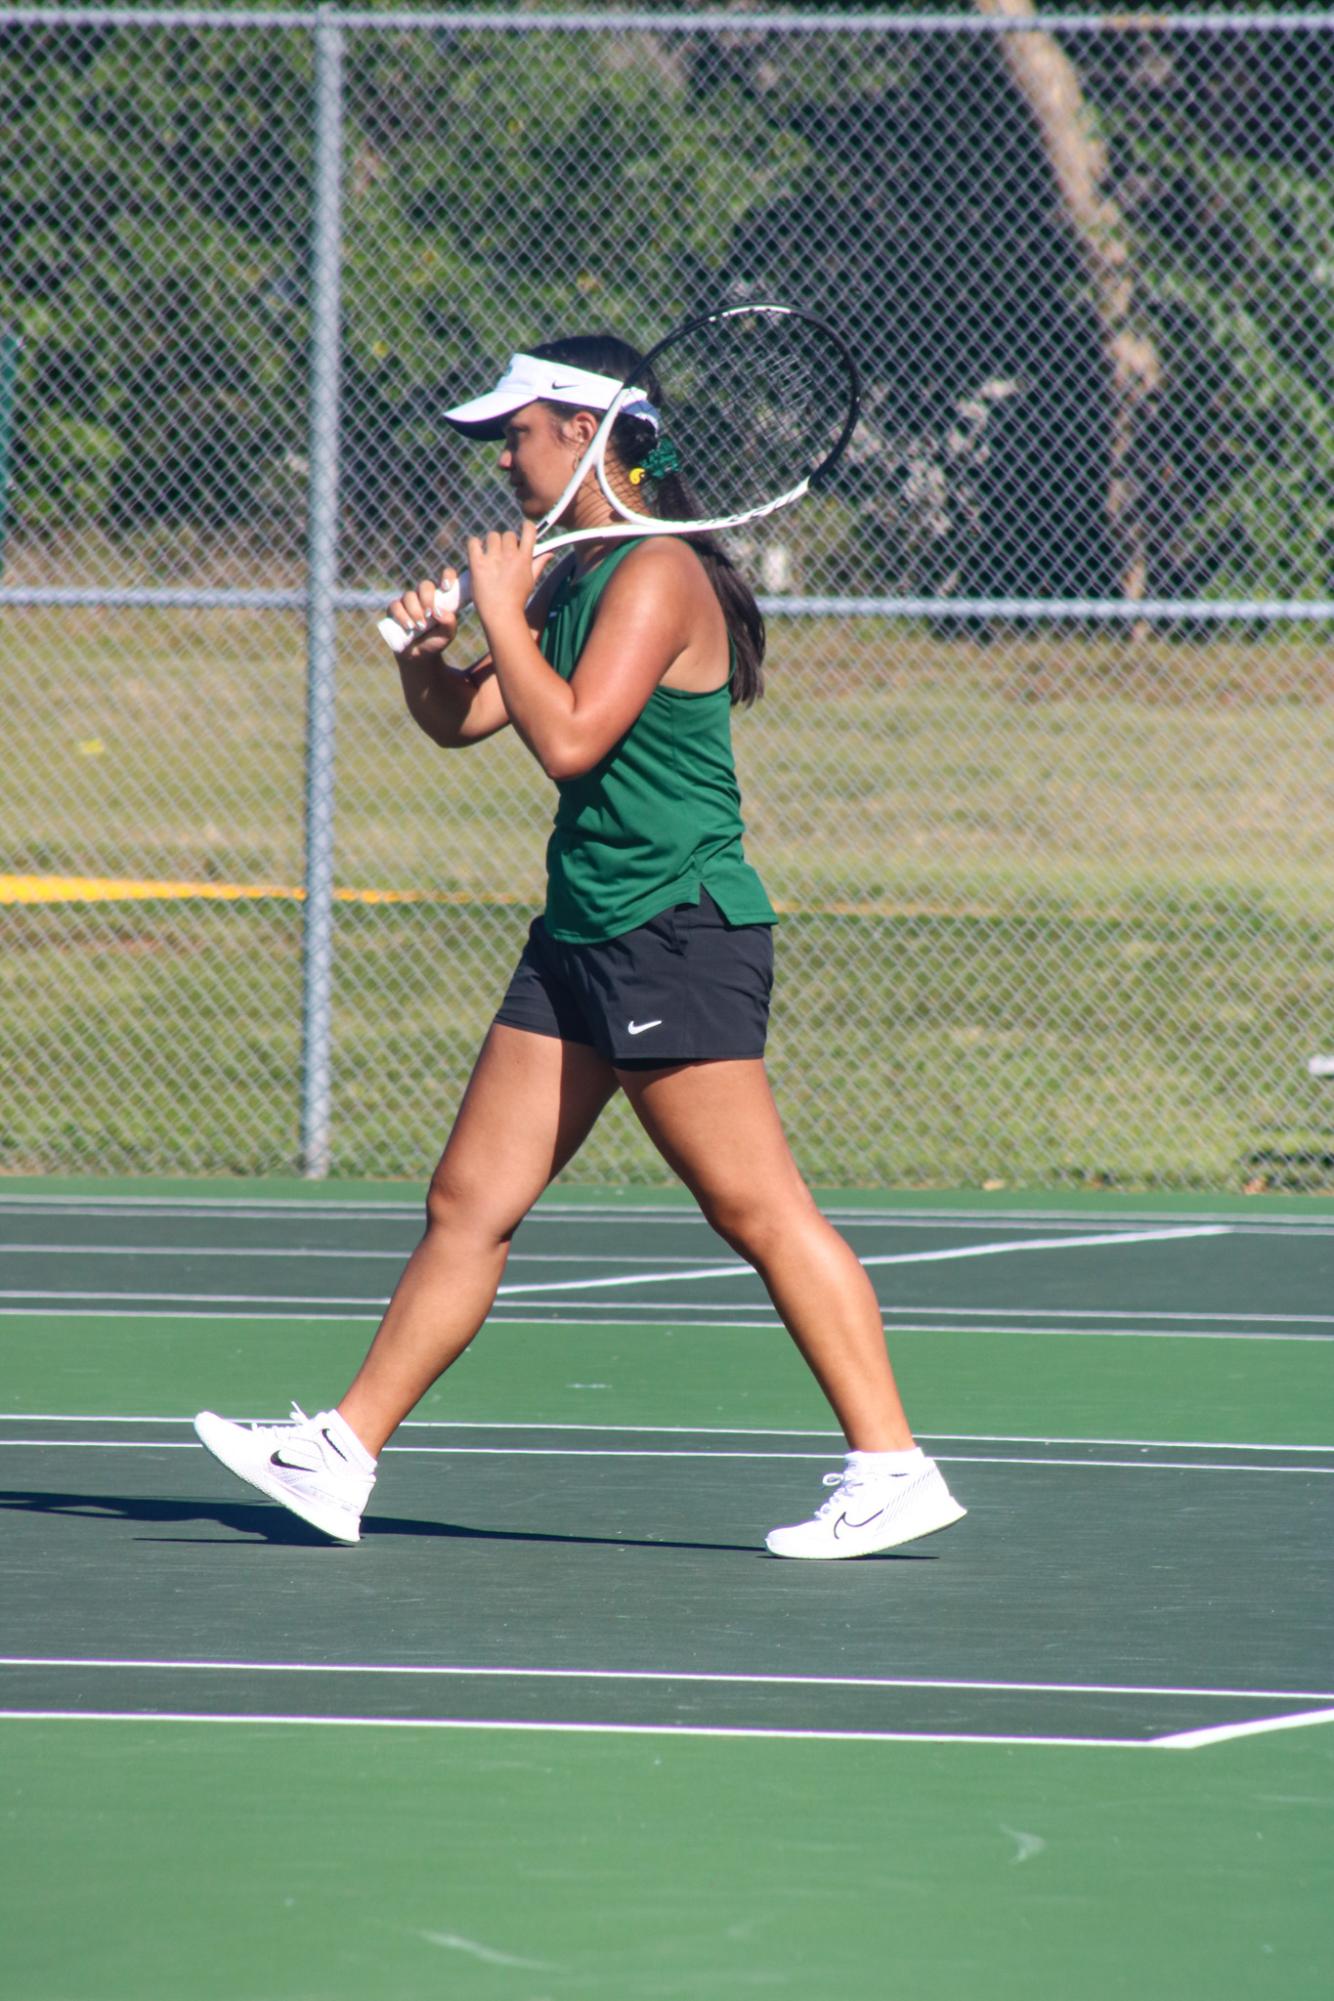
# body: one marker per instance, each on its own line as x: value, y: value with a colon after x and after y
x: 665, y: 560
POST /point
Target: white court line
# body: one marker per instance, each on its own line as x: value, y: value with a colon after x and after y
x: 947, y: 1320
x: 681, y: 1315
x: 758, y: 1431
x: 944, y: 1458
x: 200, y: 1298
x: 1223, y: 1733
x: 974, y: 1319
x: 133, y: 1208
x: 676, y: 1452
x: 134, y: 1309
x: 301, y: 1253
x: 955, y: 1252
x: 1183, y: 1741
x: 545, y: 1288
x: 574, y: 1729
x: 669, y: 1315
x: 698, y: 1431
x: 1110, y: 1313
x: 226, y: 1208
x: 905, y: 1223
x: 556, y: 1210
x: 456, y: 1671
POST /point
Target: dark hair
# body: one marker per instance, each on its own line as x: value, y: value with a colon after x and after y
x: 633, y: 437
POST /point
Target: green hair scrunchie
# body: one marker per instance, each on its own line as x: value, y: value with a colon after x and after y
x: 662, y: 460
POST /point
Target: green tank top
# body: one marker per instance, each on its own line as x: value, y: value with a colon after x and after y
x: 659, y: 818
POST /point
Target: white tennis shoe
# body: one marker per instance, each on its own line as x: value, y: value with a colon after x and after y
x: 869, y: 1511
x: 315, y: 1466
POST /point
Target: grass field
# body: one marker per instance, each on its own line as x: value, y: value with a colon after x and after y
x: 1056, y: 908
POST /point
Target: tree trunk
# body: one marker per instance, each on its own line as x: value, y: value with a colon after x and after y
x: 1049, y: 84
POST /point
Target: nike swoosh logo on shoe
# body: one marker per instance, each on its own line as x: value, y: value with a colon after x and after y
x: 843, y: 1521
x: 288, y: 1465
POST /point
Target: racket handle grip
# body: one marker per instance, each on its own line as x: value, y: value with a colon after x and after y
x: 456, y: 598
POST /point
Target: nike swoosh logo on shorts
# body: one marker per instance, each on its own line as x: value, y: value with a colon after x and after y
x: 638, y: 1027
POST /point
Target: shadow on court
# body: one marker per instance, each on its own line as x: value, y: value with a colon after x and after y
x: 274, y: 1525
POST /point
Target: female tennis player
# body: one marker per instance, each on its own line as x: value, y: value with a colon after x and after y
x: 649, y: 971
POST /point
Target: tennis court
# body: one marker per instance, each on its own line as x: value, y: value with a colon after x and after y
x: 559, y: 1726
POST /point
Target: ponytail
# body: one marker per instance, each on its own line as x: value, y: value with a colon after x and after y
x: 745, y: 620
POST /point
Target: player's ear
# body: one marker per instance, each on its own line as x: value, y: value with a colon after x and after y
x: 581, y: 428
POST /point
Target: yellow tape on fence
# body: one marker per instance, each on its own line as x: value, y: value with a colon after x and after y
x: 119, y: 889
x: 116, y: 889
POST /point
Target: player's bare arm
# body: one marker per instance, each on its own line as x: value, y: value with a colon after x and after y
x: 454, y: 706
x: 659, y: 623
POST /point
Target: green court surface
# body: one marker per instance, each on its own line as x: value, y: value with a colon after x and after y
x: 559, y: 1727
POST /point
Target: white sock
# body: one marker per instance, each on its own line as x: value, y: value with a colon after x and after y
x: 885, y: 1465
x: 347, y: 1441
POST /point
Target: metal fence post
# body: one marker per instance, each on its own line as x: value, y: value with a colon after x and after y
x: 321, y: 583
x: 9, y: 374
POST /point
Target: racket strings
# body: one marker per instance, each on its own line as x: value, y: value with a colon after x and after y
x: 753, y: 404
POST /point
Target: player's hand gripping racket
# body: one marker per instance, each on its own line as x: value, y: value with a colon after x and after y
x: 756, y: 405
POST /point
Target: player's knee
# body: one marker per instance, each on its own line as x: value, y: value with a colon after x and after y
x: 742, y: 1220
x: 441, y: 1200
x: 759, y: 1220
x: 457, y: 1203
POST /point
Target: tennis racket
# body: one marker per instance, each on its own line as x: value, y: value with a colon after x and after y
x: 755, y: 407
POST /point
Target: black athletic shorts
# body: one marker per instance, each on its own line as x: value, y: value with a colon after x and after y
x: 687, y: 987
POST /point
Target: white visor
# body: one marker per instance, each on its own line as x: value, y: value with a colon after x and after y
x: 526, y: 379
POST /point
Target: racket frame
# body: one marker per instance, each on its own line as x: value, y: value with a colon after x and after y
x: 630, y: 524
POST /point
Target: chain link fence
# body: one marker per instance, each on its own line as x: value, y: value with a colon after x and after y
x: 1042, y: 780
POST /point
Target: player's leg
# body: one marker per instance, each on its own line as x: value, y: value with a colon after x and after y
x: 531, y: 1103
x: 717, y: 1125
